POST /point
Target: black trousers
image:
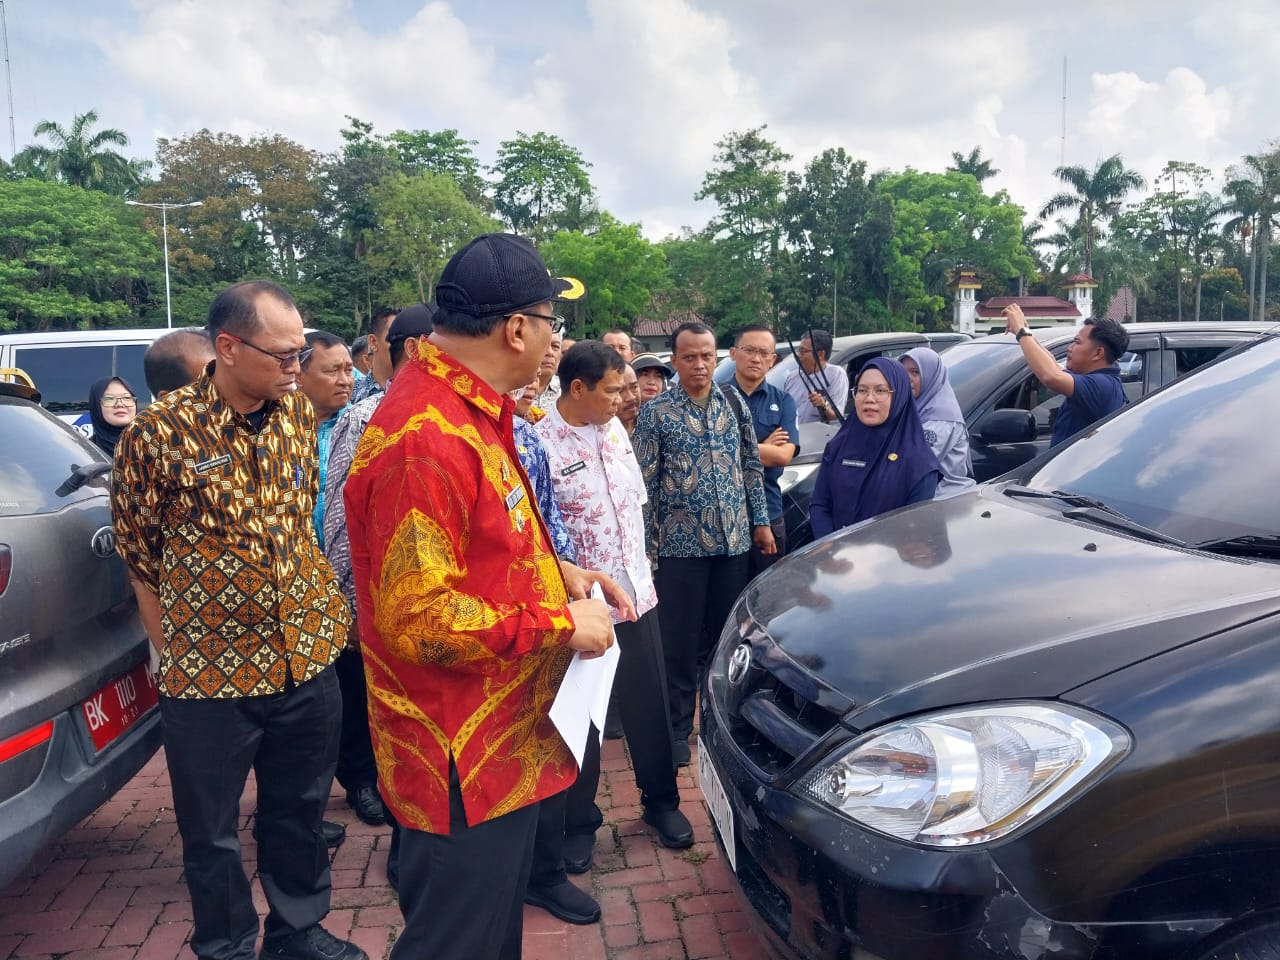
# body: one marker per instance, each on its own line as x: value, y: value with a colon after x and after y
x: 695, y: 595
x: 290, y: 742
x: 462, y: 894
x: 760, y: 562
x: 356, y: 766
x: 640, y: 692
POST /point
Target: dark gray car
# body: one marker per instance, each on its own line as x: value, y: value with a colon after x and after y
x: 77, y: 715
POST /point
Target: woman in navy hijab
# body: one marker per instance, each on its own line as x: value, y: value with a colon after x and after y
x: 112, y: 407
x: 879, y: 460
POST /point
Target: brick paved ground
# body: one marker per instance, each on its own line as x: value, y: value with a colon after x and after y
x: 112, y: 888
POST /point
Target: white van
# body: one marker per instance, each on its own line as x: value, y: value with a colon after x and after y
x: 64, y: 363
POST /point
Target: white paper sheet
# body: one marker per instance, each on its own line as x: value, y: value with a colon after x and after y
x: 583, y: 697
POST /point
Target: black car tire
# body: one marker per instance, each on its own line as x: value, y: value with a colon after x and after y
x: 1252, y: 941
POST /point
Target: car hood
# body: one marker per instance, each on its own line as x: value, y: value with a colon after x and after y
x: 981, y: 597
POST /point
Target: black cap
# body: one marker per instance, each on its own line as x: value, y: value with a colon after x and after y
x: 651, y: 361
x: 498, y: 273
x: 412, y: 321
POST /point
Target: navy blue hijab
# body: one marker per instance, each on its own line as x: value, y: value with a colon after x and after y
x: 105, y: 434
x: 867, y: 471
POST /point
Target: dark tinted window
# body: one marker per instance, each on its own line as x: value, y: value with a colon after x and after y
x: 1197, y: 461
x: 977, y: 368
x: 63, y: 374
x: 1186, y: 359
x: 40, y: 453
x: 129, y: 367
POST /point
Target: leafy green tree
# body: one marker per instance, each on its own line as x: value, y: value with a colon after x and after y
x: 422, y: 220
x: 83, y: 158
x: 444, y: 152
x: 538, y: 177
x: 1254, y: 192
x: 974, y: 164
x: 1095, y: 197
x: 621, y: 269
x: 71, y: 257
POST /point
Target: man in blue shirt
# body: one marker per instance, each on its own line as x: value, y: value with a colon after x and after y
x: 327, y: 378
x: 1091, y: 380
x: 773, y: 412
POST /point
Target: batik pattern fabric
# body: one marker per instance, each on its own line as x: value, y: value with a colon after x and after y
x: 601, y: 493
x: 214, y: 517
x: 462, y: 609
x: 533, y: 457
x: 324, y: 437
x: 702, y: 473
x: 364, y: 389
x: 342, y: 450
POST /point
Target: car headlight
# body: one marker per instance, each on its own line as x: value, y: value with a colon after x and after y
x: 794, y: 476
x: 969, y: 775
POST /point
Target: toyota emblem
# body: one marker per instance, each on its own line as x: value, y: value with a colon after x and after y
x: 103, y: 542
x: 739, y: 661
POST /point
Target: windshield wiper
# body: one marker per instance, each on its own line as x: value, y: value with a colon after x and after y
x: 1264, y: 545
x: 1094, y: 510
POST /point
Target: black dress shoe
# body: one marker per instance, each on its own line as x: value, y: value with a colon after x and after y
x: 313, y: 943
x: 681, y: 751
x: 565, y: 902
x: 672, y: 826
x: 367, y: 805
x: 579, y: 848
x: 333, y: 833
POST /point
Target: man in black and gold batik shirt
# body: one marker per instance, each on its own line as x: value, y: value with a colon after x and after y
x: 212, y: 495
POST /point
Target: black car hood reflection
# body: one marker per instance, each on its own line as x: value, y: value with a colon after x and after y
x: 886, y: 615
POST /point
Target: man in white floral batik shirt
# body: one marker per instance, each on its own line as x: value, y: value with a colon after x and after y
x: 601, y: 493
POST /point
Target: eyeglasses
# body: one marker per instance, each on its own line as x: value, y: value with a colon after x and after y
x: 285, y: 360
x: 758, y: 353
x: 878, y: 392
x: 557, y: 324
x: 119, y: 402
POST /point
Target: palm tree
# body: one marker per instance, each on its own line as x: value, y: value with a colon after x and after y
x: 1094, y: 197
x: 974, y: 163
x: 83, y: 158
x: 1255, y: 199
x: 1199, y: 218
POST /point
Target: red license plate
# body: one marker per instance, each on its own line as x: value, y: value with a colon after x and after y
x: 119, y: 705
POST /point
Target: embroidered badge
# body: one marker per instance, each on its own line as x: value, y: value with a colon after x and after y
x: 213, y: 464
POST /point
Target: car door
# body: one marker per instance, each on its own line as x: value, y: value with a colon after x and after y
x: 1185, y: 351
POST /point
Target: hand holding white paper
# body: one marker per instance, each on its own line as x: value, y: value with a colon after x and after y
x: 583, y: 697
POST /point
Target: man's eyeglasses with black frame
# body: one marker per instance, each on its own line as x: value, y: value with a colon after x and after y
x: 286, y: 360
x: 557, y: 323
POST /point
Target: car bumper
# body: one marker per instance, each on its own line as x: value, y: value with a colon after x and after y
x: 820, y: 887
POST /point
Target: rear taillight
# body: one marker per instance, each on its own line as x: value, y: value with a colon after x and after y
x: 25, y: 741
x: 6, y: 566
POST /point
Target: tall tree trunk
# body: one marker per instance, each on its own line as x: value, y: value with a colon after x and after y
x: 1199, y: 287
x: 1253, y: 264
x: 1266, y: 255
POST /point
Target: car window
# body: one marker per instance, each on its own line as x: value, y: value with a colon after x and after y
x: 1191, y: 461
x: 40, y: 455
x: 63, y: 374
x: 1133, y: 375
x: 129, y: 366
x: 1186, y: 359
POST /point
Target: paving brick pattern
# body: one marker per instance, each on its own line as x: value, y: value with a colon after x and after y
x: 112, y: 888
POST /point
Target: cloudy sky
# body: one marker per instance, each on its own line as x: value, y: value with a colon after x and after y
x: 644, y: 88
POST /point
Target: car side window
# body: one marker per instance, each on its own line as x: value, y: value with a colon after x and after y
x: 1030, y: 394
x: 1186, y: 359
x: 129, y: 366
x: 63, y: 374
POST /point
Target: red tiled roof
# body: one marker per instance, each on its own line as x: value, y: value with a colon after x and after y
x: 1035, y: 308
x: 1078, y: 278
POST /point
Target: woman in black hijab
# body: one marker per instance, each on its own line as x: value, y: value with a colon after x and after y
x: 112, y: 407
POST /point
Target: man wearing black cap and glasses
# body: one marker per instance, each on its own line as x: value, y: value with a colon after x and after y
x: 465, y: 615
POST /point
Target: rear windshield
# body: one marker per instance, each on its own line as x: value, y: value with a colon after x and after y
x: 40, y: 456
x: 1197, y: 461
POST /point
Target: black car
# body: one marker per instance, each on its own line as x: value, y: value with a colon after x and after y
x: 78, y: 714
x: 1008, y: 411
x: 1038, y: 719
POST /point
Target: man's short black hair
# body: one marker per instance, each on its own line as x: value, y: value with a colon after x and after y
x: 819, y: 343
x: 359, y: 347
x: 625, y: 333
x: 753, y: 328
x: 696, y: 327
x: 164, y: 365
x: 321, y: 338
x: 381, y: 319
x: 1110, y: 335
x: 235, y: 309
x: 588, y: 361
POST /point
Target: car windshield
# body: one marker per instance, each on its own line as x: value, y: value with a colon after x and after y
x: 1195, y: 461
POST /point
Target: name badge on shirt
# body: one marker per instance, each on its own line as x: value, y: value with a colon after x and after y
x: 854, y: 463
x: 514, y: 497
x: 573, y: 468
x: 213, y: 464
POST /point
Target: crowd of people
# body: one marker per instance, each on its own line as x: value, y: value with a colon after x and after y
x: 376, y: 565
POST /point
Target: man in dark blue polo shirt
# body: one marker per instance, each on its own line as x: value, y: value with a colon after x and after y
x: 1091, y: 380
x: 774, y: 415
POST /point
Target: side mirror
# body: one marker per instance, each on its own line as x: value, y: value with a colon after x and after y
x: 1005, y: 426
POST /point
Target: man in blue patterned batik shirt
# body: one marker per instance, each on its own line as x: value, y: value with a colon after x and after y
x: 706, y: 507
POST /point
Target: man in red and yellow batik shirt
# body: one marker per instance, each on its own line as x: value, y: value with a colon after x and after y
x: 466, y: 619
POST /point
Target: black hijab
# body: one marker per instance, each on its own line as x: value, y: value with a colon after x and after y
x: 105, y: 434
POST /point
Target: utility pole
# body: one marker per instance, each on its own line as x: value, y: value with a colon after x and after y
x: 1062, y: 160
x: 8, y: 81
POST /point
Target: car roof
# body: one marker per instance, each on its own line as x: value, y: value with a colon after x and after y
x: 1059, y: 334
x: 112, y: 335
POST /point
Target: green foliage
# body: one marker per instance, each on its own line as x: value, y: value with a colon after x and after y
x: 445, y: 153
x: 540, y: 177
x: 1095, y: 197
x: 975, y: 164
x: 621, y: 269
x: 77, y: 156
x: 70, y: 257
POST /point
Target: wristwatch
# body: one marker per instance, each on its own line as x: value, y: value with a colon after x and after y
x: 1024, y: 332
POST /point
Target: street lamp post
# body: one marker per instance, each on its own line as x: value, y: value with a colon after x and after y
x: 164, y: 232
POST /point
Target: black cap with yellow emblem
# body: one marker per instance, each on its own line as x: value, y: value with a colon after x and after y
x: 497, y: 274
